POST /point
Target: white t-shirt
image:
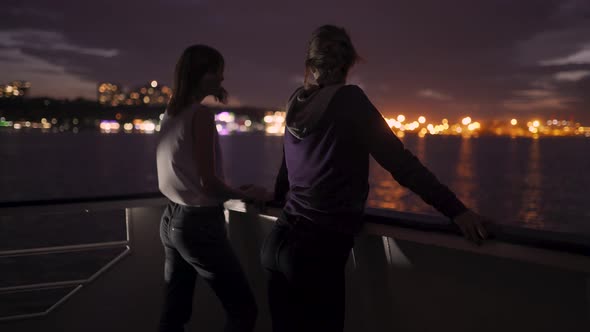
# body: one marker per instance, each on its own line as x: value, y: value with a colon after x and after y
x: 178, y: 173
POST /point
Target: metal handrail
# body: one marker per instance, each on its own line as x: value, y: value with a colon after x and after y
x: 126, y: 245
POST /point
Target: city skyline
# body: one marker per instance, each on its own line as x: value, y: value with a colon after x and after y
x: 493, y: 59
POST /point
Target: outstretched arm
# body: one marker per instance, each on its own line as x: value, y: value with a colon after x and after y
x: 407, y: 170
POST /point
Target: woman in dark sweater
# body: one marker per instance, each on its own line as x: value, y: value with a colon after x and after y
x: 332, y: 129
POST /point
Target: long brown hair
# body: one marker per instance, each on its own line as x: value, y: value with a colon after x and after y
x: 194, y: 63
x: 330, y: 51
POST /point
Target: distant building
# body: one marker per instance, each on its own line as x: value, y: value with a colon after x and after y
x: 15, y: 89
x: 110, y: 94
x: 150, y: 94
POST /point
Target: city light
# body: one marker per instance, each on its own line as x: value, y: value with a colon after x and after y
x: 15, y: 89
x: 108, y: 126
x: 148, y: 126
x: 275, y: 123
x: 474, y: 126
x: 279, y: 117
x: 225, y: 117
x: 230, y: 122
x: 110, y: 94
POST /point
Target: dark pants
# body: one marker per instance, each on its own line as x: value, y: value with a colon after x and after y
x: 195, y: 243
x: 306, y: 278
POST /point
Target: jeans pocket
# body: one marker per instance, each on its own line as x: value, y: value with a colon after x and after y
x: 197, y: 231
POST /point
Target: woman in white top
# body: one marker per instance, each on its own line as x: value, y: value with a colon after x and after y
x: 190, y: 174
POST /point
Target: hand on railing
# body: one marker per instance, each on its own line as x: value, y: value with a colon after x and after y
x: 472, y: 226
x: 256, y: 196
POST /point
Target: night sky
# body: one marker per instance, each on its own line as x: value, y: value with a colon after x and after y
x: 488, y: 59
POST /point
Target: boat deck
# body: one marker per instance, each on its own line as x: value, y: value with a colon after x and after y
x: 98, y: 266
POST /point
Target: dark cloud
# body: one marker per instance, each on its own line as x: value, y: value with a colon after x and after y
x: 434, y: 57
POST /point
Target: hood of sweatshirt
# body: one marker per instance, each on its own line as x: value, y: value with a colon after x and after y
x: 306, y: 108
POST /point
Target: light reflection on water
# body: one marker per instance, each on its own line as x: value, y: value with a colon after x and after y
x: 530, y: 211
x: 541, y: 183
x: 464, y: 183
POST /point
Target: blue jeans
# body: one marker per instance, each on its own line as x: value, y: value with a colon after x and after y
x: 195, y: 243
x: 305, y: 268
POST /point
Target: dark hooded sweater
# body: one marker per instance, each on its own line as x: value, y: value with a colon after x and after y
x: 331, y: 132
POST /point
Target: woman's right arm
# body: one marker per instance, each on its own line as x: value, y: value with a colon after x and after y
x: 390, y: 153
x: 204, y: 139
x: 407, y: 170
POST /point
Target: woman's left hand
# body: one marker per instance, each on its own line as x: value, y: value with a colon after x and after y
x: 472, y: 226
